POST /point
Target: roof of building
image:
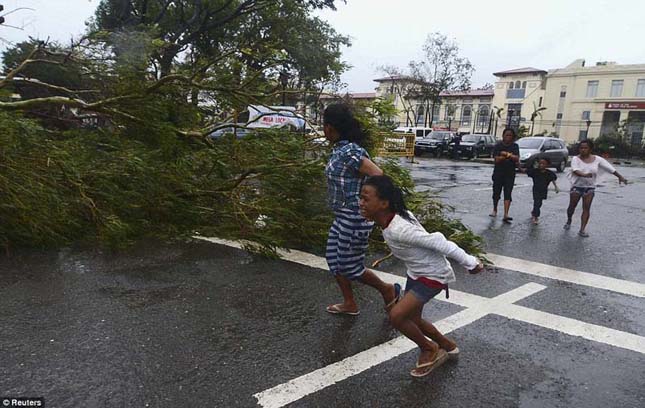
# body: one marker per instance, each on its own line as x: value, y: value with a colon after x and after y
x: 357, y: 95
x: 525, y: 70
x: 470, y: 92
x: 598, y: 68
x: 391, y: 78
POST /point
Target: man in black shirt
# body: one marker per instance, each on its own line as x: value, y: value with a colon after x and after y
x: 541, y: 180
x: 507, y: 158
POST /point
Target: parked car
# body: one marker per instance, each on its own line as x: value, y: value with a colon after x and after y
x: 554, y: 149
x: 435, y: 143
x: 474, y: 145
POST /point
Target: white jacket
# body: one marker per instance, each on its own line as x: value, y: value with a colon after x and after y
x: 424, y: 254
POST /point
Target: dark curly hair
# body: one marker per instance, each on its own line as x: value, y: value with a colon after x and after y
x: 341, y: 117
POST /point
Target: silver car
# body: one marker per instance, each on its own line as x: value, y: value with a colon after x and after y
x: 553, y: 149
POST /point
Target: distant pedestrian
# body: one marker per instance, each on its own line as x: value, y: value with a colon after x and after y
x: 507, y: 158
x: 347, y: 242
x: 585, y: 170
x: 542, y: 177
x: 456, y: 142
x: 428, y: 270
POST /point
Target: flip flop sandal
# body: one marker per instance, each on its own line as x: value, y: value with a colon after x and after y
x: 333, y: 309
x: 453, y: 354
x: 397, y: 297
x: 583, y: 234
x: 439, y: 359
x: 507, y: 220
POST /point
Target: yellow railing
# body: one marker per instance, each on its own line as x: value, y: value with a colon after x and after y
x: 395, y: 145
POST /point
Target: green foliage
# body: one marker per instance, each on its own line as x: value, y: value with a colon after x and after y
x: 105, y: 188
x: 615, y: 145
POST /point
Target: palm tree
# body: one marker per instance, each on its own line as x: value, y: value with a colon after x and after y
x: 536, y: 112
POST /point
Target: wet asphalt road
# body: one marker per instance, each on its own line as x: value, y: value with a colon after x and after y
x: 196, y: 324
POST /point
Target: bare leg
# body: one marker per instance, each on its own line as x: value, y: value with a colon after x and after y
x: 507, y: 206
x: 387, y: 290
x: 574, y: 198
x: 586, y: 211
x: 349, y: 304
x: 494, y: 212
x: 401, y: 317
x: 429, y: 330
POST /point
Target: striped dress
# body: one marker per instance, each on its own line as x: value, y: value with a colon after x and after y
x: 349, y: 233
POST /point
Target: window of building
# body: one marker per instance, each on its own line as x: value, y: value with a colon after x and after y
x: 524, y: 85
x: 420, y: 115
x: 436, y: 111
x: 466, y: 113
x: 592, y: 89
x: 517, y: 84
x: 450, y: 111
x: 563, y: 92
x: 511, y: 85
x: 582, y: 135
x: 640, y: 88
x: 586, y: 115
x: 616, y: 88
x: 559, y: 116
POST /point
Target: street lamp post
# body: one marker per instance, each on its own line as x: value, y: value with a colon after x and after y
x: 449, y: 123
x: 588, y: 125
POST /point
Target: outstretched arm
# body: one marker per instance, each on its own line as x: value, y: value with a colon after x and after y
x: 621, y: 179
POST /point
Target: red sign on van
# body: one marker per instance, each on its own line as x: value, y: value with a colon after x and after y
x: 625, y: 105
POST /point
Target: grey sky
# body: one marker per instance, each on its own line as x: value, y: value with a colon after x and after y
x: 496, y: 35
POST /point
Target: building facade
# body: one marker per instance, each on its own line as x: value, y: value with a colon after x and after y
x: 573, y: 103
x: 464, y: 112
x: 591, y: 101
x: 518, y: 93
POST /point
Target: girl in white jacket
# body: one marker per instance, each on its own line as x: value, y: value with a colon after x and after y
x: 428, y: 270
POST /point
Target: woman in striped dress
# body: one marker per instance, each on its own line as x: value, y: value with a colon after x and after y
x: 347, y: 243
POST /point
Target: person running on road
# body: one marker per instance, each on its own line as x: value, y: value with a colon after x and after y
x: 507, y: 157
x: 585, y: 169
x: 347, y: 242
x: 428, y: 270
x: 541, y: 180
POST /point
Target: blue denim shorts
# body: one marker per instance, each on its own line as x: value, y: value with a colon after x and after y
x: 420, y: 290
x: 583, y: 191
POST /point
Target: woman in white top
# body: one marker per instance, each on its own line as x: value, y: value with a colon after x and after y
x: 585, y: 168
x: 428, y: 270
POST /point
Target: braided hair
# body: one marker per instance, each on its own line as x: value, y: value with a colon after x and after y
x: 387, y: 190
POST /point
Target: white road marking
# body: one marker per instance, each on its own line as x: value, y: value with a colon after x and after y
x: 315, y: 381
x: 569, y: 275
x: 476, y: 306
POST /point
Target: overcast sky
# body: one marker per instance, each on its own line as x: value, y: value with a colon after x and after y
x: 494, y: 35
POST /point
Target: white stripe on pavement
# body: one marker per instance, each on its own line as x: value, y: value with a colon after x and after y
x: 514, y: 264
x: 569, y: 275
x: 315, y: 381
x: 476, y: 308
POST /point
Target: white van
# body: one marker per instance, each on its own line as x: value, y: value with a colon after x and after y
x: 419, y: 132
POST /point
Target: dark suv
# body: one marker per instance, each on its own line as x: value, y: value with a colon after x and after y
x: 550, y: 147
x: 435, y: 143
x: 475, y: 145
